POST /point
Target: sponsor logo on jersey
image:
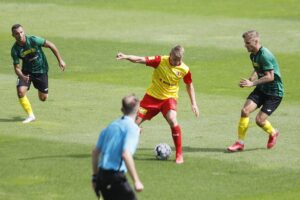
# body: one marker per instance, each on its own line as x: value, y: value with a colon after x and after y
x: 28, y: 51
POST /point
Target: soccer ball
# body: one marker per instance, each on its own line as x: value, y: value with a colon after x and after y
x: 162, y: 151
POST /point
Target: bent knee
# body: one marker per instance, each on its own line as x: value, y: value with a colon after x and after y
x: 260, y: 122
x: 43, y: 97
x: 245, y: 112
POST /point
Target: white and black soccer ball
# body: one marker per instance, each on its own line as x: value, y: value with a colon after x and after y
x: 162, y: 151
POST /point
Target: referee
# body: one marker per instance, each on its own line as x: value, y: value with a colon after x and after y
x: 113, y: 155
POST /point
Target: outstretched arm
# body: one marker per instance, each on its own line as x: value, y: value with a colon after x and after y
x: 131, y: 58
x: 55, y: 51
x: 129, y: 162
x: 190, y: 90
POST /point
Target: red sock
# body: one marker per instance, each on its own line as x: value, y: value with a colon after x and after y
x: 176, y: 134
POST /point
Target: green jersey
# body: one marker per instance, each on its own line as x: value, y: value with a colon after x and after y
x: 31, y: 54
x: 263, y: 61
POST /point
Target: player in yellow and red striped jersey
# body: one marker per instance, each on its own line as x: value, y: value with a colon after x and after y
x: 162, y: 94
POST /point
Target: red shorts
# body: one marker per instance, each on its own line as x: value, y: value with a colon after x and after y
x: 150, y: 106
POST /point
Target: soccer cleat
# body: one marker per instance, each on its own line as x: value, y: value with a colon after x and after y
x: 179, y: 159
x: 237, y: 146
x: 272, y: 140
x: 29, y: 119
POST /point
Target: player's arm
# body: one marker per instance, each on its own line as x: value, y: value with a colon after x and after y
x: 268, y: 77
x: 20, y: 74
x: 191, y: 92
x: 55, y: 51
x: 131, y: 58
x: 253, y: 76
x: 129, y: 162
x: 95, y: 158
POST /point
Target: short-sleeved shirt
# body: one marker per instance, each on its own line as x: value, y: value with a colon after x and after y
x: 120, y: 135
x: 165, y: 78
x: 263, y: 61
x: 31, y: 54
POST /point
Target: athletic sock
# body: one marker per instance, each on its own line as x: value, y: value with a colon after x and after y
x: 242, y: 128
x: 268, y: 128
x: 176, y: 135
x: 26, y: 105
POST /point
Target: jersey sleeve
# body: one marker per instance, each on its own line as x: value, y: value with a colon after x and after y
x: 266, y: 63
x: 15, y: 57
x: 188, y: 78
x: 38, y: 40
x: 153, y: 61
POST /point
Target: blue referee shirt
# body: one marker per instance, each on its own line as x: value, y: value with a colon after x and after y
x: 122, y: 134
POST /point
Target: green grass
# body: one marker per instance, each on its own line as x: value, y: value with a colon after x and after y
x: 50, y: 158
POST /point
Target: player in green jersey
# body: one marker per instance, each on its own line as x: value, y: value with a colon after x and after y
x: 34, y: 66
x: 268, y: 92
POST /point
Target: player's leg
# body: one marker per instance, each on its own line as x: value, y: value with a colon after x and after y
x: 40, y: 82
x: 149, y: 108
x: 269, y: 106
x: 22, y: 89
x: 243, y: 125
x: 43, y: 96
x: 169, y: 108
x: 171, y: 118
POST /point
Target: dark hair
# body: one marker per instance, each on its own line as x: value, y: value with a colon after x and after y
x: 130, y: 104
x: 15, y: 26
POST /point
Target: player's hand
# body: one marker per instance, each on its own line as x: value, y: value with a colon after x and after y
x: 121, y: 56
x: 26, y: 78
x: 195, y: 110
x: 62, y: 65
x: 138, y: 186
x: 94, y: 185
x: 245, y: 83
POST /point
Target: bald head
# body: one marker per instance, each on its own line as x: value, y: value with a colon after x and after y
x: 130, y: 104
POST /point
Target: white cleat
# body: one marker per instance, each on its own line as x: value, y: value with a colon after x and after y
x: 29, y: 119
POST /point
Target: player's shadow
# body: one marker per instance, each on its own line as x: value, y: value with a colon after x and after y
x: 203, y: 149
x: 13, y: 119
x: 78, y: 156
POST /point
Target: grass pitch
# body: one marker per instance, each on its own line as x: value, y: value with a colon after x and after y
x: 50, y: 158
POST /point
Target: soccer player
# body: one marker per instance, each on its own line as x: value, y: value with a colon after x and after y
x: 162, y: 94
x: 34, y: 66
x: 113, y: 155
x: 268, y: 92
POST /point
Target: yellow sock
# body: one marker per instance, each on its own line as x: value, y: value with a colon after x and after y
x: 268, y: 127
x: 242, y: 128
x: 26, y: 105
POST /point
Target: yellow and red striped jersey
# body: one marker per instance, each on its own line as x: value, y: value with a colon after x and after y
x: 165, y: 78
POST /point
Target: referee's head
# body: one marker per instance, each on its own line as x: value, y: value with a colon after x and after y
x: 130, y: 104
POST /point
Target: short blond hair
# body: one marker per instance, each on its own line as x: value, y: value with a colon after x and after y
x: 252, y: 34
x: 177, y: 52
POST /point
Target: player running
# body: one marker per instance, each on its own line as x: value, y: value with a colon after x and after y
x: 162, y: 94
x: 34, y: 66
x: 267, y: 94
